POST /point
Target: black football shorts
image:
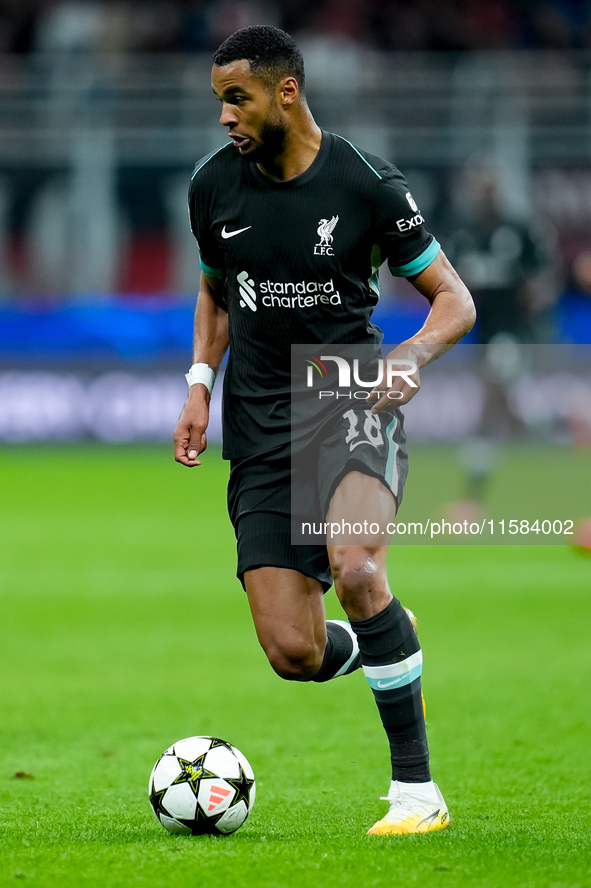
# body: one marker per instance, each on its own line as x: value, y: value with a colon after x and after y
x: 271, y: 493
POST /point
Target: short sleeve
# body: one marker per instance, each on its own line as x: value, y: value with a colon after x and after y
x: 402, y: 237
x: 210, y: 256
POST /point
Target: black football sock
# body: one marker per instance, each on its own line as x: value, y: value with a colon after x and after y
x: 392, y: 662
x: 341, y: 655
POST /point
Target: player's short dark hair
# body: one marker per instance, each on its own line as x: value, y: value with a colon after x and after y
x: 272, y: 54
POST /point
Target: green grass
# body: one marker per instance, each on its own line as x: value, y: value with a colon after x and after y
x: 123, y: 629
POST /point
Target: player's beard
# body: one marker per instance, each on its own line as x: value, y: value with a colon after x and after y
x: 272, y: 138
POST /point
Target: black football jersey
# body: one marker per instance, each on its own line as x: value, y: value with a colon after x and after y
x: 300, y: 260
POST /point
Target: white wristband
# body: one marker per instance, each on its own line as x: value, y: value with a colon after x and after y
x: 201, y: 373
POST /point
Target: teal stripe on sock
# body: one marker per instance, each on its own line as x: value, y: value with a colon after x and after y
x: 396, y: 682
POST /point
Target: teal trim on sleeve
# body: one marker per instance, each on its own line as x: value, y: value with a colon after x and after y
x: 419, y: 264
x: 211, y: 272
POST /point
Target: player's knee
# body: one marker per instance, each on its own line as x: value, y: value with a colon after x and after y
x: 354, y: 572
x: 294, y: 660
x: 356, y: 576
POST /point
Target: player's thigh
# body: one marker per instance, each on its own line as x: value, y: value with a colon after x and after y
x: 361, y: 512
x: 287, y: 608
x: 361, y: 508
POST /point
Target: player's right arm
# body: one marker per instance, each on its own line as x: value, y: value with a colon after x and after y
x: 210, y: 345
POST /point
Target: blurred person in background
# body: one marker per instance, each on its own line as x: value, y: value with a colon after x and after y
x: 508, y: 261
x: 510, y: 265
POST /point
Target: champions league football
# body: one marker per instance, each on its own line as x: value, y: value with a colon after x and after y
x: 202, y: 785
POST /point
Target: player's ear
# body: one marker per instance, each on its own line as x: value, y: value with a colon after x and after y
x: 288, y: 90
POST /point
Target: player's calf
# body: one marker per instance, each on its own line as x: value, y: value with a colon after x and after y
x: 392, y: 663
x: 341, y: 655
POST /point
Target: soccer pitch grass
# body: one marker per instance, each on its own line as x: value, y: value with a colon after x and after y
x: 123, y: 629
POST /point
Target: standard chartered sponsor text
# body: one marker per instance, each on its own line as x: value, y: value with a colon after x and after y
x: 286, y: 294
x: 300, y: 294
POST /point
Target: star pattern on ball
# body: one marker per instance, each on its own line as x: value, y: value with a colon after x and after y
x: 215, y: 742
x: 243, y: 786
x: 193, y: 771
x: 202, y: 824
x: 156, y: 802
x: 184, y: 771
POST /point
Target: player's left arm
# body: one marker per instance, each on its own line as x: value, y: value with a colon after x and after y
x: 451, y: 316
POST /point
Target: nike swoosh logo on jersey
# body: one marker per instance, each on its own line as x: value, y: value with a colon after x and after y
x: 227, y: 234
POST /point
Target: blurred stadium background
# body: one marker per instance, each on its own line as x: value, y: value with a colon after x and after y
x: 105, y: 105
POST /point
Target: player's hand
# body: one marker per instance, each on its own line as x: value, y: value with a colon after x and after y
x: 189, y: 437
x: 400, y: 381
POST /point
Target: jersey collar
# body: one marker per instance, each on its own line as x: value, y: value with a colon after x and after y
x: 297, y: 181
